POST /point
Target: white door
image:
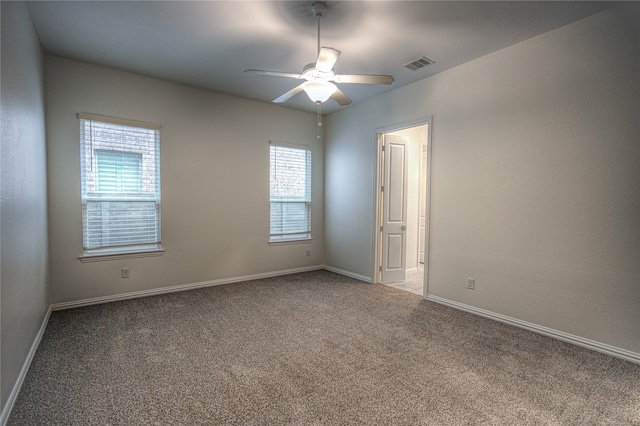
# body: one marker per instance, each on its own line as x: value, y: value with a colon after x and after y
x: 394, y: 215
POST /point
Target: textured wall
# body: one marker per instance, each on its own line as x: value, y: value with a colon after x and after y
x: 214, y: 153
x: 535, y: 168
x: 23, y: 211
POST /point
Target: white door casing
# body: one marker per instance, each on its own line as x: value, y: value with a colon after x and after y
x: 394, y: 215
x: 423, y: 202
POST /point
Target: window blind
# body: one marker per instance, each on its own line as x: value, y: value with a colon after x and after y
x: 120, y: 173
x: 290, y: 192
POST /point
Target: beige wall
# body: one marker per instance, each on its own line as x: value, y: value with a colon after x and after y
x: 534, y: 191
x: 215, y: 181
x: 23, y: 211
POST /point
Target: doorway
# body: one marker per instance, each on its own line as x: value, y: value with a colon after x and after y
x: 402, y: 206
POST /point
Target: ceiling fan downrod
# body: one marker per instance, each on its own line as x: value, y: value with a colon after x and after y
x: 318, y: 9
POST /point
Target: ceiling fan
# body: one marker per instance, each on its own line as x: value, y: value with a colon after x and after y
x: 320, y: 75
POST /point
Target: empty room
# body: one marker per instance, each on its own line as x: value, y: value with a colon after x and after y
x: 327, y: 213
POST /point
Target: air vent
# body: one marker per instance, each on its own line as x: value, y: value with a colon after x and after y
x: 419, y: 63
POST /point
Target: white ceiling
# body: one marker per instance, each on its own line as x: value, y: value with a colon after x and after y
x: 209, y: 44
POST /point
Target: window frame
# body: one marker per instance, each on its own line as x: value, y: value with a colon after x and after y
x: 151, y: 247
x: 277, y: 238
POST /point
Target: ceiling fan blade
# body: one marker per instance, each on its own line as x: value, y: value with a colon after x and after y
x: 290, y: 94
x: 364, y: 79
x: 340, y: 97
x: 327, y: 59
x: 274, y: 73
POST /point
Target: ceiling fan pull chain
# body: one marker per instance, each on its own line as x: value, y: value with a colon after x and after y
x: 318, y: 103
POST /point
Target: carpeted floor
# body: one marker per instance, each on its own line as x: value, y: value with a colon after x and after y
x: 312, y: 349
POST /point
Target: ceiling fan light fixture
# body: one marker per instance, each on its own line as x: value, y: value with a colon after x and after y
x: 318, y: 90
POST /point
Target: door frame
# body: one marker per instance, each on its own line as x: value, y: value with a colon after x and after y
x: 377, y: 204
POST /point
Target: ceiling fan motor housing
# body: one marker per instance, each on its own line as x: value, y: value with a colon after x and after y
x: 309, y: 72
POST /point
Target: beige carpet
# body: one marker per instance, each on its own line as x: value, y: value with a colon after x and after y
x: 312, y: 349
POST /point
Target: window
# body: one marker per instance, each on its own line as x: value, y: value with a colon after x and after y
x: 290, y: 192
x: 120, y: 173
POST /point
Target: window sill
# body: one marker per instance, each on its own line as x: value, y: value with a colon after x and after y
x: 286, y: 242
x: 101, y: 257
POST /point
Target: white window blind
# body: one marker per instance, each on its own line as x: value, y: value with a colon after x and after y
x: 120, y: 173
x: 290, y: 192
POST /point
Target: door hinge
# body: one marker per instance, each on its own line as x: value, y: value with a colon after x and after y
x: 382, y: 188
x: 383, y: 148
x: 380, y: 268
x: 381, y: 228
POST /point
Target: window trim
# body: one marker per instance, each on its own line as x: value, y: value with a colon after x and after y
x: 114, y: 120
x: 292, y: 241
x: 122, y: 252
x: 100, y: 257
x: 309, y: 234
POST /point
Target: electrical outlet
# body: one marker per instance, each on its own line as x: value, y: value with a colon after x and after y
x: 308, y: 253
x: 471, y: 283
x: 125, y: 272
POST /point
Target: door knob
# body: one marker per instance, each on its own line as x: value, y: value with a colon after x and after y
x: 403, y: 227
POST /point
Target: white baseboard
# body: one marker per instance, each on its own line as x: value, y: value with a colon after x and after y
x: 348, y: 274
x: 560, y: 335
x: 191, y: 286
x: 23, y: 371
x: 176, y: 288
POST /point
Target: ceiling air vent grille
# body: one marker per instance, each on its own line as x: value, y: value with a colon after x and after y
x: 419, y: 63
